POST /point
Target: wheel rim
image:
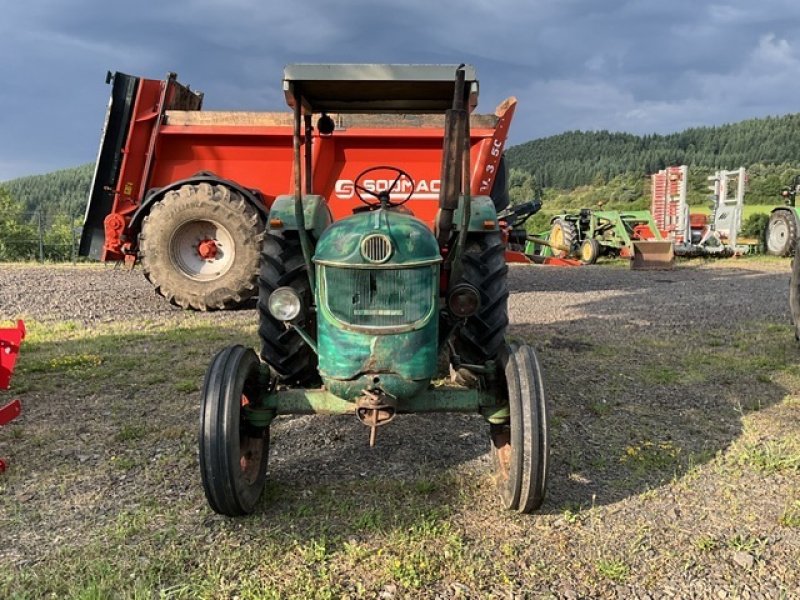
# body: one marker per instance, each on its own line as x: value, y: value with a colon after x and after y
x: 501, y: 442
x: 202, y: 250
x: 778, y: 232
x: 251, y: 450
x: 586, y: 253
x: 557, y: 237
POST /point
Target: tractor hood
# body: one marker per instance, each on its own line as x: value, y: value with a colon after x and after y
x: 381, y: 238
x: 377, y: 298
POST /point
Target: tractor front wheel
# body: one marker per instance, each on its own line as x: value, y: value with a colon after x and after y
x: 520, y: 448
x: 590, y: 251
x: 233, y: 452
x: 200, y: 246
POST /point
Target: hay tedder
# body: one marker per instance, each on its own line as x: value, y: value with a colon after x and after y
x: 355, y: 314
x: 10, y: 340
x: 695, y: 234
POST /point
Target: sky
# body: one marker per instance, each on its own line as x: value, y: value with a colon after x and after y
x: 638, y: 66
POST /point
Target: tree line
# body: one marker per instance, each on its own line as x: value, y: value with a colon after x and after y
x: 41, y: 215
x: 768, y: 147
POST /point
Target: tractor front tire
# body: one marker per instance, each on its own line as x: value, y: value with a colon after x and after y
x: 233, y: 453
x: 200, y: 245
x: 482, y: 336
x: 589, y: 251
x: 520, y: 449
x: 563, y: 236
x: 290, y: 358
x: 781, y: 234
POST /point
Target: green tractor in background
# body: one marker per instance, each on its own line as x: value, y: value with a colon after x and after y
x: 355, y: 315
x: 590, y: 234
x: 784, y: 223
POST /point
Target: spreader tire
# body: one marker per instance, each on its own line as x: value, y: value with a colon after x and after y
x: 589, y: 251
x: 781, y: 234
x: 233, y: 453
x: 562, y: 234
x: 520, y: 449
x: 482, y: 337
x: 199, y: 247
x: 290, y: 358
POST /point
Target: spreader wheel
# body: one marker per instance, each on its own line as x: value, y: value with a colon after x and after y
x: 233, y: 453
x: 520, y: 448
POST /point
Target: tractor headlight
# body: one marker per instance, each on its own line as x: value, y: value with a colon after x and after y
x: 284, y: 304
x: 464, y: 301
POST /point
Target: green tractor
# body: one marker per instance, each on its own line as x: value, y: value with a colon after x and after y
x: 356, y: 316
x: 784, y: 223
x: 590, y: 234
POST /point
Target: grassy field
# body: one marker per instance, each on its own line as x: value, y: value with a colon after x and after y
x: 679, y: 469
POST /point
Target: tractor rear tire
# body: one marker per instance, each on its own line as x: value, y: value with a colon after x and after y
x: 221, y: 275
x: 290, y: 358
x: 482, y: 337
x: 781, y: 233
x: 589, y: 251
x: 564, y: 234
x: 520, y: 449
x: 233, y: 453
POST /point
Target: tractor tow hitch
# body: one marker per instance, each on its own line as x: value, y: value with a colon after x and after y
x: 375, y: 408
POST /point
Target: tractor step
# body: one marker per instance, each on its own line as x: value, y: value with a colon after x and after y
x: 653, y: 255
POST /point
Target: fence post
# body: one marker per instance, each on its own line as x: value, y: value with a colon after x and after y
x: 41, y: 237
x: 72, y: 247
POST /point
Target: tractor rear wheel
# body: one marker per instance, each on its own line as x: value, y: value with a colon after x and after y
x: 482, y: 336
x: 589, y: 251
x: 199, y: 247
x: 233, y: 453
x: 290, y: 358
x: 562, y: 236
x: 781, y: 234
x: 520, y: 448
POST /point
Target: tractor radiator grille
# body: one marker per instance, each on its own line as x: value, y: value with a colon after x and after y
x: 380, y: 297
x: 376, y: 248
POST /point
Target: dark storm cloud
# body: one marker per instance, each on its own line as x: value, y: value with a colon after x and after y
x: 636, y: 66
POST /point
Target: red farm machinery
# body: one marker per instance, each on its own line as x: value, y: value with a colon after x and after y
x: 10, y: 340
x: 698, y: 234
x: 187, y: 192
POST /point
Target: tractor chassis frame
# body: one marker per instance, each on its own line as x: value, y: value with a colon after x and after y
x: 443, y: 399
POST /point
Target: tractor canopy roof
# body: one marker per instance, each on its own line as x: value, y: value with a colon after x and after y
x: 376, y: 88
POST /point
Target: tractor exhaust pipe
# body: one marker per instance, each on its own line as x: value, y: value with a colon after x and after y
x: 455, y: 125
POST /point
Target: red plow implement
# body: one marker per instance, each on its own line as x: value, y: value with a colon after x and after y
x: 10, y: 340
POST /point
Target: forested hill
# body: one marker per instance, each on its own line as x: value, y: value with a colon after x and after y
x: 578, y: 158
x: 63, y: 192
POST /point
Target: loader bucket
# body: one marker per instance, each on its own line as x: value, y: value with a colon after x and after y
x: 653, y: 255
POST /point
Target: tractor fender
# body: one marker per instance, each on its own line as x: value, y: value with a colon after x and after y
x: 153, y: 195
x: 316, y: 214
x: 793, y: 210
x: 482, y: 215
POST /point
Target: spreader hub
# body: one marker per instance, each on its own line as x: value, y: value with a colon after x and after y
x: 207, y: 249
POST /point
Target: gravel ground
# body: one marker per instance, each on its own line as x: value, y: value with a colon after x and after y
x: 619, y: 350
